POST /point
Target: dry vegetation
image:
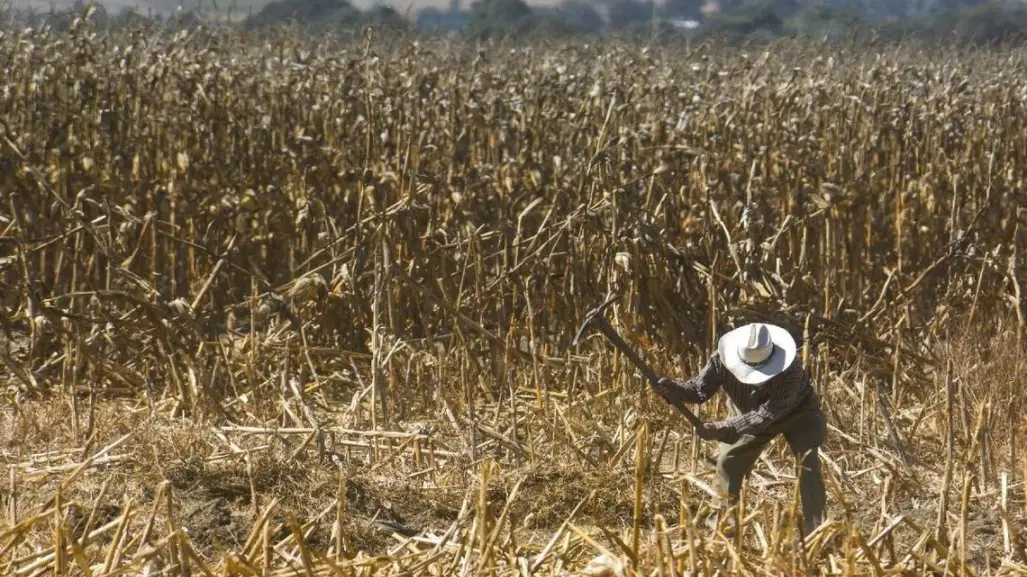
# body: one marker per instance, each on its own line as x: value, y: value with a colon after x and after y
x: 243, y: 278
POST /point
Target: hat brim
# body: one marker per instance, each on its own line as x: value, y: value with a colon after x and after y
x: 780, y: 359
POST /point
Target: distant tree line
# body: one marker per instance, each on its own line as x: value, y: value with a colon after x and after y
x: 976, y: 21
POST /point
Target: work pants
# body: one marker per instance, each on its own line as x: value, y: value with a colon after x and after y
x: 805, y: 430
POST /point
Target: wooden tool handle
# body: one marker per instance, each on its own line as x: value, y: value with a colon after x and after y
x: 646, y: 371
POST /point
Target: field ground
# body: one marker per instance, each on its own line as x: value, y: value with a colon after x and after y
x: 244, y: 280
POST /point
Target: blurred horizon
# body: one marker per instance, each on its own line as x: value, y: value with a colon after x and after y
x: 973, y: 21
x: 167, y: 6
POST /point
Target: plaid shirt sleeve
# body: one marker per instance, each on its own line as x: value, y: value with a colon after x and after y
x: 784, y: 393
x: 696, y: 390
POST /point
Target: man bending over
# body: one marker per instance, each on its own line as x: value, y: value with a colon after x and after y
x: 757, y: 367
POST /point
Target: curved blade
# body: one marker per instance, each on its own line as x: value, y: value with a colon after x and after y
x: 591, y: 317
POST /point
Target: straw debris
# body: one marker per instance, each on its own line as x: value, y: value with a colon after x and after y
x: 296, y: 306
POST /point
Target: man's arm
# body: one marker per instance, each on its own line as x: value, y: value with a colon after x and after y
x: 696, y: 390
x: 782, y: 400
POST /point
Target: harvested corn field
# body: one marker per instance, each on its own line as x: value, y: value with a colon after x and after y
x: 279, y: 306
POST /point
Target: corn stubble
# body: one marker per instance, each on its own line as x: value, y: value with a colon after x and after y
x: 369, y: 259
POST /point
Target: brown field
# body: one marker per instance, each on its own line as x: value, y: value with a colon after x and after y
x: 281, y: 307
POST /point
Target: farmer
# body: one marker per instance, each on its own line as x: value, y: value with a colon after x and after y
x: 757, y: 368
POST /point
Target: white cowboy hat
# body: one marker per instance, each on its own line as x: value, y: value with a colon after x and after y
x: 756, y: 352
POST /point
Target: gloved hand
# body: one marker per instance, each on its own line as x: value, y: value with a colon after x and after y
x: 712, y: 432
x: 663, y: 387
x: 708, y: 432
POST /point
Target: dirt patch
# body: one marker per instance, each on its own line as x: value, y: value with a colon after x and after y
x: 215, y: 525
x: 216, y: 504
x: 401, y: 502
x: 78, y: 514
x: 378, y: 505
x: 215, y: 499
x: 548, y: 495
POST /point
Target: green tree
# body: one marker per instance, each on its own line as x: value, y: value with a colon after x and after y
x: 383, y: 16
x: 497, y: 18
x: 316, y: 14
x: 578, y: 16
x: 833, y: 20
x: 629, y: 13
x: 990, y: 22
x: 753, y: 16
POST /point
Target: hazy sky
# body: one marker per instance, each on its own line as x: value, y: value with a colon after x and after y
x: 167, y: 5
x: 401, y: 5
